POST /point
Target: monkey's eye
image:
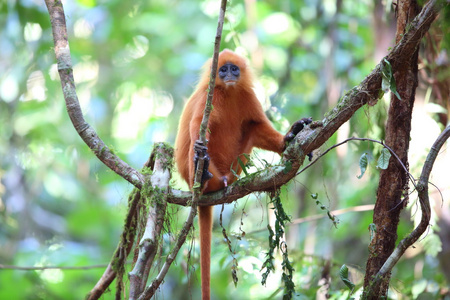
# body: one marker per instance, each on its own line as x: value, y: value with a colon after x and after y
x: 223, y: 69
x: 235, y: 70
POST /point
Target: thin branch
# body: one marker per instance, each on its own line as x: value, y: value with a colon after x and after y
x: 86, y: 132
x: 150, y: 290
x: 337, y: 212
x: 422, y: 188
x: 413, y: 180
x: 9, y: 267
x: 208, y: 104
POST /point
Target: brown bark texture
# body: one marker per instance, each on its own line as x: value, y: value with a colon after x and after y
x: 392, y: 193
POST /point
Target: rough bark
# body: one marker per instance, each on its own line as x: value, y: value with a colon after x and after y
x: 392, y: 193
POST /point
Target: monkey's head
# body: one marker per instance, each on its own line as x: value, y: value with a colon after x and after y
x: 233, y: 72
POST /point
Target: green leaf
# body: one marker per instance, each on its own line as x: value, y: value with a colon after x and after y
x: 249, y: 162
x: 343, y: 274
x: 383, y: 160
x: 314, y: 196
x: 363, y: 161
x: 386, y: 73
x: 372, y: 230
x: 393, y: 88
x: 241, y: 163
x: 388, y: 80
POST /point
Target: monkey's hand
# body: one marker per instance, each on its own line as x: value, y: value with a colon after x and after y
x: 295, y: 129
x: 201, y: 150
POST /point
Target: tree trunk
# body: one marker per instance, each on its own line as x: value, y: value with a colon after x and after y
x: 392, y: 194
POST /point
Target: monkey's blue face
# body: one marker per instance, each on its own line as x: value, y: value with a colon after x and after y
x: 229, y: 73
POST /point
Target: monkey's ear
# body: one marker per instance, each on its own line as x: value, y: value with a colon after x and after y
x: 296, y: 128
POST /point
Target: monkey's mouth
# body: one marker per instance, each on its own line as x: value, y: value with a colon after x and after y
x: 230, y: 82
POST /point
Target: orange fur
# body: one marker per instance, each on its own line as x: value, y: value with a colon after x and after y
x: 237, y: 124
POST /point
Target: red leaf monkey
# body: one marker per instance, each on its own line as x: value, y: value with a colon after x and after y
x: 237, y: 124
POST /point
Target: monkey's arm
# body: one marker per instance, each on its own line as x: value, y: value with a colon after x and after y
x: 266, y: 137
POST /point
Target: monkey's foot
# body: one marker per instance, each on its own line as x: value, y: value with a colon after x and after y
x: 202, y: 151
x: 225, y: 181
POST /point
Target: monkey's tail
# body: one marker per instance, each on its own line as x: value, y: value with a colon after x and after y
x: 205, y: 214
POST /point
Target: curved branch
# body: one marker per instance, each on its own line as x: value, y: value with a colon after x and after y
x: 422, y: 189
x: 86, y: 132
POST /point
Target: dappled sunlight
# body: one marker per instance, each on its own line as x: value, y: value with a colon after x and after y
x: 32, y: 32
x: 53, y: 72
x: 136, y: 107
x: 138, y: 48
x: 9, y: 88
x: 51, y: 275
x: 210, y: 7
x: 85, y: 71
x: 275, y: 58
x: 36, y: 89
x: 134, y: 50
x: 424, y: 131
x: 82, y: 28
x: 277, y: 23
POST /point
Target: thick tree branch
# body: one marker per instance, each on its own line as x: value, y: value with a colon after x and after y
x: 392, y: 193
x: 86, y: 132
x: 148, y: 246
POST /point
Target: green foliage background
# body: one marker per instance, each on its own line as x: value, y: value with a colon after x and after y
x: 135, y: 63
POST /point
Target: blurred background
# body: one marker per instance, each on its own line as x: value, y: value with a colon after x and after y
x: 135, y: 64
